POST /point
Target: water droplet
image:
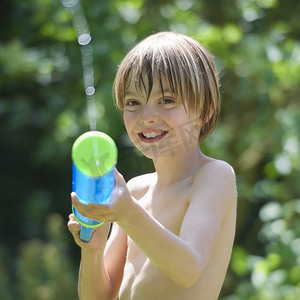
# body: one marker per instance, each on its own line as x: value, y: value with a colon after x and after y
x: 84, y: 39
x: 90, y: 90
x: 69, y: 3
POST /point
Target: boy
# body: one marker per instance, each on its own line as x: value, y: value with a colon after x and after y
x: 174, y: 229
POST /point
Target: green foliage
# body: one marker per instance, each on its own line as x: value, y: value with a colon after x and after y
x: 42, y: 111
x: 45, y: 270
x: 276, y: 274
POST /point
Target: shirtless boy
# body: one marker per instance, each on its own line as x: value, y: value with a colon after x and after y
x: 173, y: 230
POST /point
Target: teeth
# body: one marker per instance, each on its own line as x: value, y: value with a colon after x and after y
x: 152, y: 135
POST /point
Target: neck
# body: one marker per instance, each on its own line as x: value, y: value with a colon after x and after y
x: 171, y: 169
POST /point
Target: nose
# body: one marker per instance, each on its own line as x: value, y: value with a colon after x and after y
x: 148, y: 115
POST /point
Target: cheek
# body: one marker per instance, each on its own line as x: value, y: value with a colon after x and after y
x: 179, y: 119
x: 130, y: 121
x: 186, y: 127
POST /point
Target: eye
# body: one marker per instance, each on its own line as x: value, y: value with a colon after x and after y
x: 132, y: 105
x: 168, y: 101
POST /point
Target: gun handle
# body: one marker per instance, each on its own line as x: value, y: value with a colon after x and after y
x: 85, y: 233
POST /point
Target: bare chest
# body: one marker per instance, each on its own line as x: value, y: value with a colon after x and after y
x: 167, y: 207
x: 140, y: 275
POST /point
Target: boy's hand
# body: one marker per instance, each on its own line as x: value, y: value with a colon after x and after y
x: 98, y: 239
x: 116, y: 210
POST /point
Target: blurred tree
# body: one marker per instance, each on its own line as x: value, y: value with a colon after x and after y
x: 45, y: 270
x: 256, y: 44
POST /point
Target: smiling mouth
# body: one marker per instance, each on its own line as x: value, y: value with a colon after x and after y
x: 150, y: 137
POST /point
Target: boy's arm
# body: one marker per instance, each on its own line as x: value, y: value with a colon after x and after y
x: 100, y: 274
x: 115, y: 257
x: 183, y: 258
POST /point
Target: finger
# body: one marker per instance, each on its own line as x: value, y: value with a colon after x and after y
x: 103, y: 228
x: 74, y: 197
x: 72, y: 219
x: 81, y: 207
x: 118, y: 175
x: 74, y: 227
x: 90, y: 210
x: 120, y: 181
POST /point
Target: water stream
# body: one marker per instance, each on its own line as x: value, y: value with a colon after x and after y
x: 84, y: 40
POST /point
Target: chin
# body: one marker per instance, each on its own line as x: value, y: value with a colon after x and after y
x: 150, y: 152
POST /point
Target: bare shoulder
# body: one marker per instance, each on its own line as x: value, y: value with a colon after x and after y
x: 216, y: 179
x: 138, y: 186
x: 217, y: 167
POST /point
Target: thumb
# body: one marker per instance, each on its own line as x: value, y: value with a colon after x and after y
x: 119, y: 179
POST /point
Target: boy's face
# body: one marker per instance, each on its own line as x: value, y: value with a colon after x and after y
x: 160, y: 125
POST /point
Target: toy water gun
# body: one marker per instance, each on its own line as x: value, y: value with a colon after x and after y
x: 94, y: 157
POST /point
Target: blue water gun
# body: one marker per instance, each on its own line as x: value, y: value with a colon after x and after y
x: 94, y: 157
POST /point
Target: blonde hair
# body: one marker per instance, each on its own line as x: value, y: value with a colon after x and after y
x: 185, y: 65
